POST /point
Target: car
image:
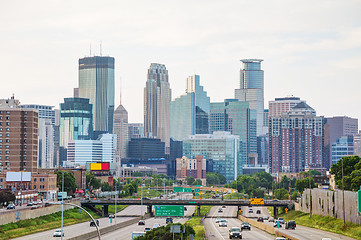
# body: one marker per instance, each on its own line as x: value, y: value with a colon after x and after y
x: 223, y: 206
x: 218, y: 220
x: 265, y: 218
x: 246, y: 225
x: 276, y: 223
x: 185, y: 208
x: 141, y: 222
x: 250, y: 210
x: 271, y: 219
x: 58, y: 233
x: 111, y: 216
x: 30, y: 204
x: 147, y: 229
x: 235, y: 232
x: 156, y: 225
x: 258, y: 212
x: 146, y: 198
x: 222, y: 223
x: 169, y: 220
x: 34, y: 207
x: 282, y: 221
x: 11, y: 206
x: 290, y: 224
x: 260, y: 219
x: 220, y: 210
x: 92, y: 223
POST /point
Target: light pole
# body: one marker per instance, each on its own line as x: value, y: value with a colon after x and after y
x: 141, y: 201
x: 116, y: 195
x: 309, y: 183
x: 62, y: 205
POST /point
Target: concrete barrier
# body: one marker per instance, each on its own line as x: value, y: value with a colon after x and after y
x: 267, y: 228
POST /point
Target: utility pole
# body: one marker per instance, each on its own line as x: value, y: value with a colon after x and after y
x: 309, y: 182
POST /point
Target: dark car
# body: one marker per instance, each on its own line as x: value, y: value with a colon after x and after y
x: 141, y: 222
x: 291, y: 224
x: 258, y: 212
x: 146, y: 198
x: 245, y: 225
x: 169, y: 220
x: 92, y: 223
x: 235, y: 232
x: 11, y: 206
x: 260, y: 219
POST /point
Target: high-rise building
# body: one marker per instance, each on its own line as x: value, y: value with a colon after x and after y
x: 189, y: 113
x: 282, y: 105
x: 296, y: 140
x: 252, y: 89
x: 357, y: 144
x: 236, y: 117
x: 46, y: 149
x: 338, y: 127
x: 157, y: 97
x: 96, y: 82
x: 136, y: 130
x: 191, y: 167
x: 146, y: 148
x: 341, y: 148
x: 76, y: 123
x: 120, y: 129
x: 221, y: 147
x: 18, y: 137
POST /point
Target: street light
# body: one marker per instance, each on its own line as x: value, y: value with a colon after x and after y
x: 62, y: 205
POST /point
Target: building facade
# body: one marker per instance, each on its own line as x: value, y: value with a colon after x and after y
x: 222, y: 147
x: 357, y: 144
x: 135, y: 130
x: 146, y: 148
x: 252, y: 89
x: 343, y: 147
x: 282, y: 105
x: 191, y: 167
x: 189, y: 113
x: 96, y: 82
x: 157, y: 97
x: 18, y: 137
x: 120, y: 129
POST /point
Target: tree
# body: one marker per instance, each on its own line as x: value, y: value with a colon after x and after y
x: 281, y: 193
x: 302, y: 184
x: 285, y: 182
x: 258, y: 193
x: 190, y: 180
x: 92, y: 182
x: 69, y: 182
x: 197, y: 182
x: 6, y: 196
x: 264, y: 179
x: 349, y: 164
x: 106, y: 187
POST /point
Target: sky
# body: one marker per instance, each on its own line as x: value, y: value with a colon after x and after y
x: 311, y: 49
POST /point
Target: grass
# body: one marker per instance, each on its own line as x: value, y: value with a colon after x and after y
x: 196, y: 223
x: 43, y: 223
x: 325, y: 223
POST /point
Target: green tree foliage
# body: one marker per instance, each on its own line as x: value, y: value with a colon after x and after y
x: 92, y: 182
x: 264, y: 179
x: 351, y: 172
x: 190, y: 180
x: 294, y: 195
x: 281, y: 194
x: 258, y: 193
x: 6, y: 196
x: 302, y: 184
x: 147, y: 182
x: 285, y: 182
x: 69, y: 182
x: 215, y: 178
x: 197, y: 182
x: 163, y: 233
x: 106, y: 187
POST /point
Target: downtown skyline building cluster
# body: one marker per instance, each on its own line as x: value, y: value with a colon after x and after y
x: 234, y: 137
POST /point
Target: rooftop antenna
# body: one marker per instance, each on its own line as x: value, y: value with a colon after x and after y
x: 100, y: 48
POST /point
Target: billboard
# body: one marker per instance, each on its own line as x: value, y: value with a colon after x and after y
x: 99, y: 166
x: 18, y: 176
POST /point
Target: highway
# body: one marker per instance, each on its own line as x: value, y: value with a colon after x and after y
x: 214, y: 232
x: 301, y: 232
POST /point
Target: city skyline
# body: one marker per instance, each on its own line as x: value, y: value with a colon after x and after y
x: 307, y: 51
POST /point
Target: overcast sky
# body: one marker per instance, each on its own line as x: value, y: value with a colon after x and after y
x: 311, y: 49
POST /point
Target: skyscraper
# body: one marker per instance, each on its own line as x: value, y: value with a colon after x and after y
x: 281, y: 105
x: 189, y: 113
x: 120, y: 128
x: 96, y: 82
x: 296, y: 140
x: 157, y: 97
x: 252, y: 89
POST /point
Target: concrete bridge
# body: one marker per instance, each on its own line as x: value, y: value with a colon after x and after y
x: 194, y: 202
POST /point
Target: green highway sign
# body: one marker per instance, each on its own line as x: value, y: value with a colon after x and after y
x: 198, y: 185
x: 197, y: 190
x: 192, y: 202
x: 177, y: 189
x: 169, y: 210
x: 187, y: 189
x: 359, y: 200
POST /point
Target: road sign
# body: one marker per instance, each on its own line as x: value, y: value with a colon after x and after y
x: 187, y: 189
x: 197, y: 190
x: 169, y: 210
x: 18, y: 214
x: 198, y: 185
x: 359, y: 200
x: 175, y: 228
x: 257, y: 201
x: 177, y: 189
x: 200, y: 193
x: 278, y: 224
x: 286, y: 210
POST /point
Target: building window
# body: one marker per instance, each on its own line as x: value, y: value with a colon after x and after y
x: 34, y: 179
x: 24, y: 146
x: 7, y: 140
x: 7, y: 157
x: 8, y: 129
x: 34, y: 186
x: 8, y: 135
x: 7, y: 146
x: 24, y: 140
x: 7, y: 118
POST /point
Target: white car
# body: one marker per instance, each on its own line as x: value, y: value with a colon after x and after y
x: 218, y: 220
x: 222, y: 223
x: 57, y: 233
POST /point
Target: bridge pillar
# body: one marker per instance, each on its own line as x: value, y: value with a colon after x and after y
x: 238, y: 209
x: 275, y: 212
x: 105, y: 211
x: 198, y: 210
x: 149, y: 210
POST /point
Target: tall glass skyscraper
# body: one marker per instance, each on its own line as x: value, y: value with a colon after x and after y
x: 76, y: 122
x: 96, y: 82
x: 189, y: 113
x: 157, y: 97
x: 252, y: 89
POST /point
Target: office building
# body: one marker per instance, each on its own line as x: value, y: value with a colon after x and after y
x: 341, y: 148
x: 18, y: 137
x: 76, y: 123
x: 120, y: 129
x: 222, y: 147
x: 236, y: 117
x: 46, y: 149
x: 191, y: 168
x: 157, y: 97
x: 96, y: 82
x: 262, y: 149
x: 357, y: 144
x: 296, y: 140
x: 282, y: 105
x: 146, y: 148
x: 252, y: 89
x: 189, y: 113
x: 135, y: 130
